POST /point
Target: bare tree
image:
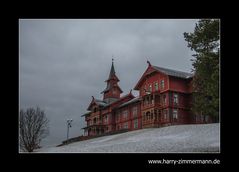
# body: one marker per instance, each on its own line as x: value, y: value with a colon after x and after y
x: 33, y: 128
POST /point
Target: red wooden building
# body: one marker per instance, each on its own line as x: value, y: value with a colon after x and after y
x: 165, y: 98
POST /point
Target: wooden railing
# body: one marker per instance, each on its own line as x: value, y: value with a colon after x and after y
x: 151, y: 105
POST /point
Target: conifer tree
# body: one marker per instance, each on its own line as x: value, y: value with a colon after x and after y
x: 205, y: 42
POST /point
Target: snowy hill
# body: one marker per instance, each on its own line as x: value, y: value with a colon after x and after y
x: 180, y: 138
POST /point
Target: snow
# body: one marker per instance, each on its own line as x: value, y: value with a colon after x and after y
x: 178, y: 138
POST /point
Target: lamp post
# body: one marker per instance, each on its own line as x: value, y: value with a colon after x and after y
x: 69, y: 121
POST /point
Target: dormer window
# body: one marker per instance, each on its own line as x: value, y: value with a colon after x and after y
x: 162, y: 84
x: 150, y: 87
x: 156, y: 86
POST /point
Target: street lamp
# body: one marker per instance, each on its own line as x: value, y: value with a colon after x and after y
x: 69, y: 121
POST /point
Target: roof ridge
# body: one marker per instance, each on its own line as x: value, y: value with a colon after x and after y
x: 172, y: 72
x: 171, y: 69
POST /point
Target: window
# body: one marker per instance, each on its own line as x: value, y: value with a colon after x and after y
x: 125, y: 114
x: 106, y: 119
x: 165, y: 113
x: 114, y: 91
x: 162, y: 84
x: 148, y: 115
x: 145, y: 88
x: 150, y: 87
x: 126, y: 125
x: 156, y: 86
x: 135, y: 111
x: 164, y: 99
x: 117, y: 116
x: 136, y: 123
x: 175, y: 114
x: 207, y: 119
x: 147, y: 100
x: 175, y: 98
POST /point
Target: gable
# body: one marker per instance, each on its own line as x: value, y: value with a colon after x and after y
x: 163, y: 71
x: 147, y: 72
x: 97, y: 103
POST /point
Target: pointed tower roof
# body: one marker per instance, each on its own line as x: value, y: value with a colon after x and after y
x: 112, y: 72
x: 112, y: 80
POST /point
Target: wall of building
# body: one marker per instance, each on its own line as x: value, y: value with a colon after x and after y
x: 162, y: 109
x: 179, y: 85
x: 120, y: 119
x: 152, y: 79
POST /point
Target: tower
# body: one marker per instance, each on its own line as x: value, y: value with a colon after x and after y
x: 112, y: 91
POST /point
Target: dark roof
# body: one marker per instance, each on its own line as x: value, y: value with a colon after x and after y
x: 110, y: 100
x: 106, y: 89
x: 100, y: 102
x: 130, y: 94
x: 112, y: 75
x: 130, y: 101
x: 112, y: 71
x: 174, y: 73
x: 88, y: 112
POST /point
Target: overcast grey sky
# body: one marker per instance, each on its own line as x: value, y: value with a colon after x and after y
x: 65, y: 62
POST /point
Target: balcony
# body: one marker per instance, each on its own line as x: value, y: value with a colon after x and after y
x: 105, y: 111
x: 98, y: 123
x: 151, y: 101
x: 150, y: 105
x: 95, y: 113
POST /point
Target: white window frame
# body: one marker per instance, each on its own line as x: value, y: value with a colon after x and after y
x: 175, y: 98
x: 162, y: 84
x: 125, y: 125
x: 150, y: 88
x: 135, y: 111
x: 165, y: 113
x: 125, y: 114
x: 164, y: 99
x: 106, y: 119
x: 136, y: 123
x: 156, y: 84
x: 175, y: 113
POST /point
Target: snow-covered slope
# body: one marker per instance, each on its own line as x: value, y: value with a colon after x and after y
x: 180, y: 138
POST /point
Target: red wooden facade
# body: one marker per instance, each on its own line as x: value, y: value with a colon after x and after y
x: 165, y: 98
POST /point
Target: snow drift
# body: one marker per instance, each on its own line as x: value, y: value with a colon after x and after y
x: 178, y: 138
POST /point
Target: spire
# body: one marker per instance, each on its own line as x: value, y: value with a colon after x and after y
x: 112, y: 82
x: 112, y: 70
x: 149, y: 63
